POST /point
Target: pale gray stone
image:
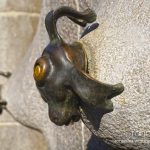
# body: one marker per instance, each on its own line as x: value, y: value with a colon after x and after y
x: 17, y: 29
x: 15, y: 136
x: 121, y: 48
x: 20, y: 5
x: 17, y: 32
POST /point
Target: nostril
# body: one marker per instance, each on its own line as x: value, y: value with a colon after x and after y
x: 116, y: 90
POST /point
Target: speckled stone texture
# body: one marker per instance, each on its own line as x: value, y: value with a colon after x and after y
x: 118, y: 52
x: 23, y: 6
x: 18, y: 24
x: 13, y: 135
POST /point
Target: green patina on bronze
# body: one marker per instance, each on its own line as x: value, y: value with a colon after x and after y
x: 61, y: 72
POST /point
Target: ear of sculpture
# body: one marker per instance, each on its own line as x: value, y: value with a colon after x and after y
x: 80, y: 18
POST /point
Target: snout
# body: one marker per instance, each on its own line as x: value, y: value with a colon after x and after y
x: 64, y: 112
x: 64, y: 117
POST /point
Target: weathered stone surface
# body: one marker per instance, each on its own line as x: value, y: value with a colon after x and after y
x: 2, y: 80
x: 15, y: 136
x: 121, y: 49
x: 18, y: 5
x: 6, y: 118
x: 17, y: 32
x: 17, y: 29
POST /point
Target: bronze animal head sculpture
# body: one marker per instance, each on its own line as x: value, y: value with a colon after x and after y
x: 61, y: 72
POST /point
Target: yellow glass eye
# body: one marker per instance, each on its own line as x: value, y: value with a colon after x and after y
x: 39, y: 70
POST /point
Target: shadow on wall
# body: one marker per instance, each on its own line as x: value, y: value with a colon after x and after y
x: 94, y: 116
x: 97, y: 144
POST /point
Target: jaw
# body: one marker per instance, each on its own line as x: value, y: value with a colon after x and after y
x: 93, y: 92
x: 64, y: 117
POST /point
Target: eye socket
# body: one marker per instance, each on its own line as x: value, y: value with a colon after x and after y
x: 41, y: 69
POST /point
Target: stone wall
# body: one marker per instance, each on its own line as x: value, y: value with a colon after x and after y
x: 18, y: 24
